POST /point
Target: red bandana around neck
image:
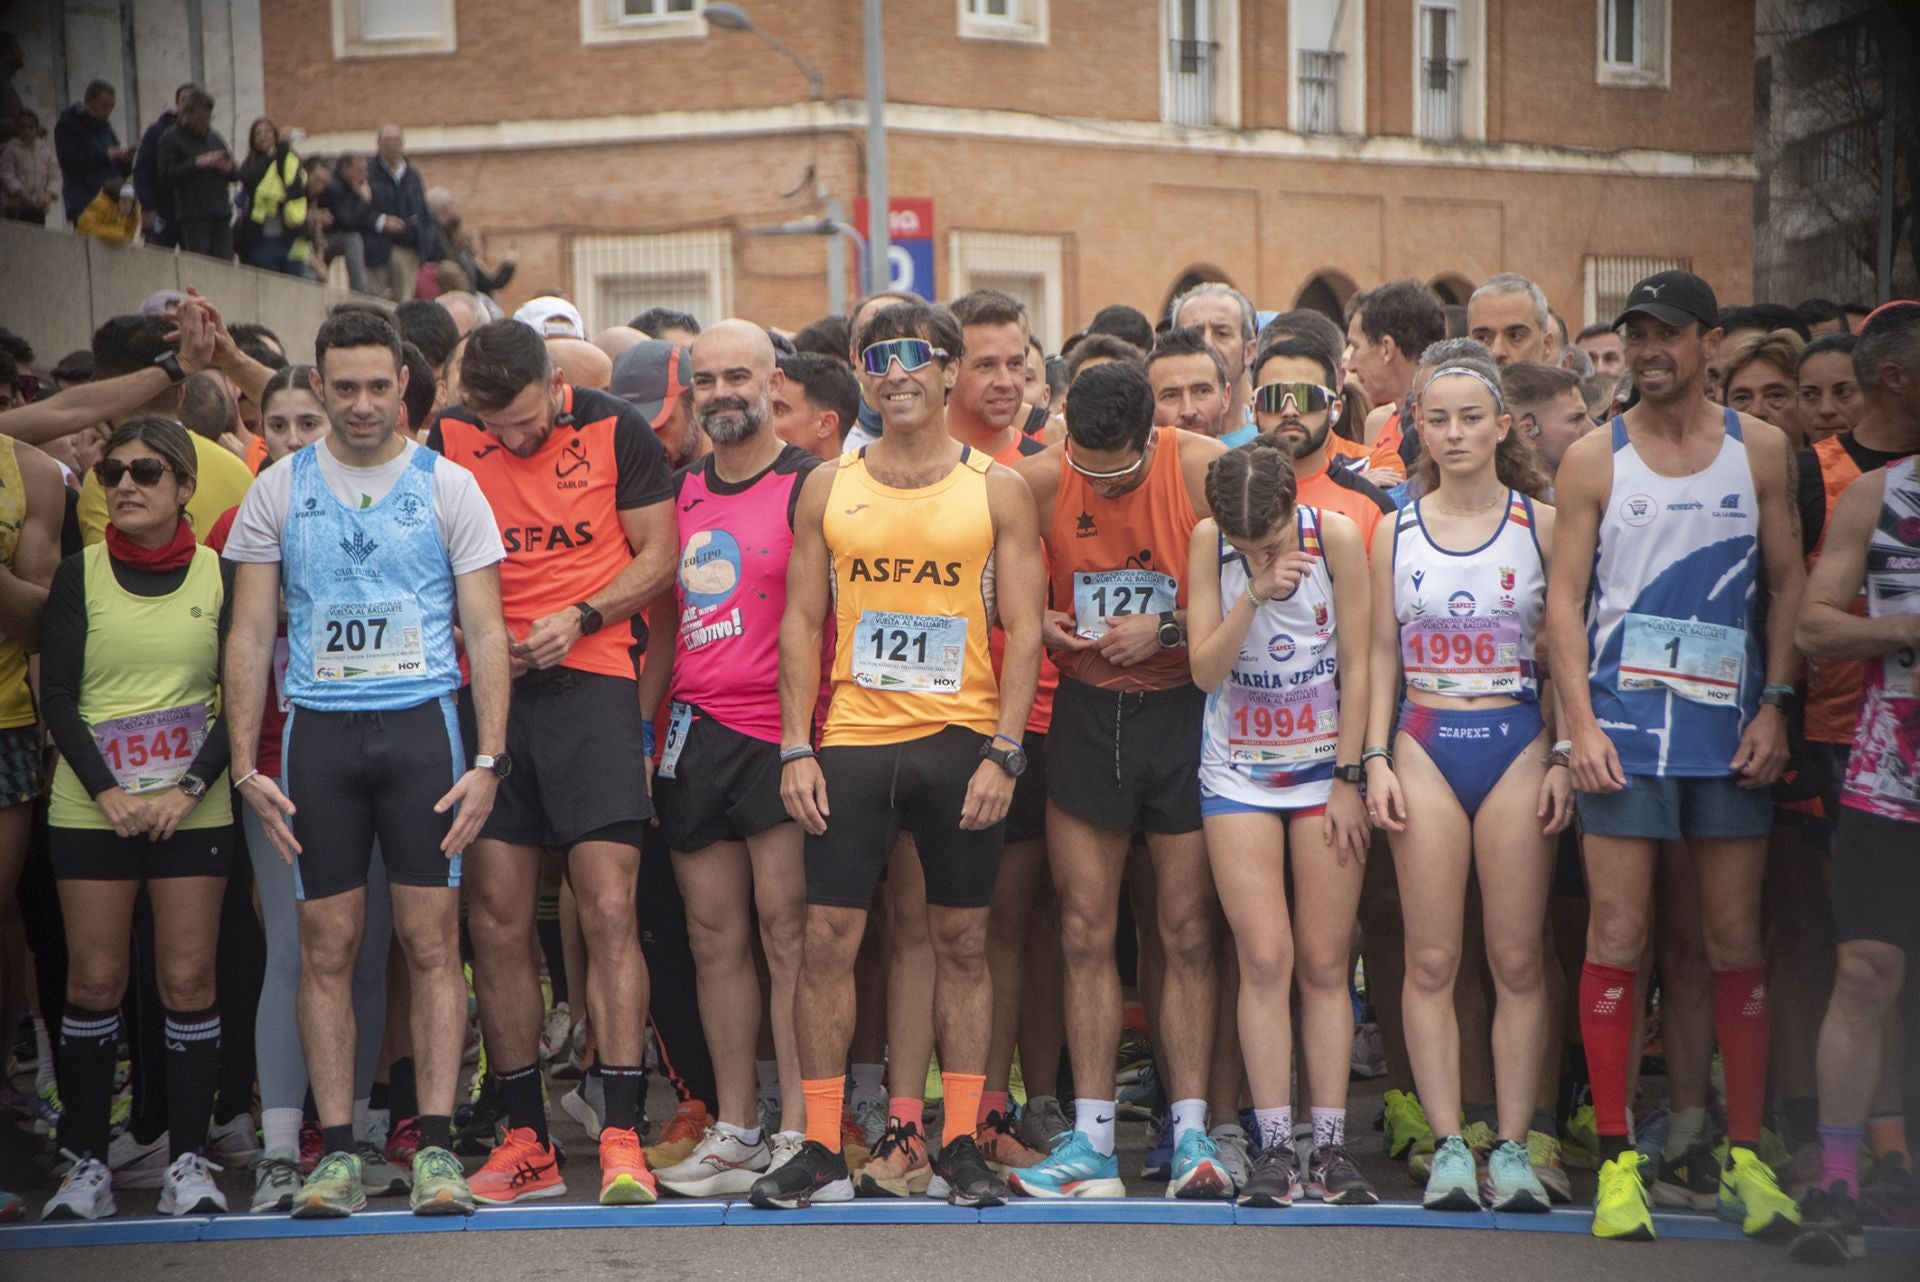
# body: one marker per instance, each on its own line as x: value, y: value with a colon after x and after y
x: 171, y: 556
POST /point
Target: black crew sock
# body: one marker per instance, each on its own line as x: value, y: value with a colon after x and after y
x: 621, y: 1085
x: 520, y: 1100
x: 1799, y: 1120
x: 89, y: 1045
x: 1612, y: 1146
x: 406, y: 1099
x: 436, y: 1130
x: 193, y: 1076
x: 546, y: 926
x: 381, y: 1096
x: 337, y: 1139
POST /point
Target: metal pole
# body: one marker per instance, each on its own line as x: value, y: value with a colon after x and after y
x: 878, y: 275
x: 836, y: 260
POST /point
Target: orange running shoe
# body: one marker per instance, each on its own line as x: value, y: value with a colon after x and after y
x: 680, y: 1136
x: 899, y: 1166
x: 1001, y: 1147
x: 520, y: 1169
x: 853, y: 1141
x: 624, y: 1177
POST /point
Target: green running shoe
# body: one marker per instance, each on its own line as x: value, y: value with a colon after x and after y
x: 1511, y: 1184
x: 1621, y: 1208
x: 439, y: 1185
x: 1405, y: 1124
x: 332, y: 1191
x: 1750, y: 1196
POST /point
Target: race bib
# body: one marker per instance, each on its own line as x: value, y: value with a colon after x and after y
x: 1700, y: 662
x: 679, y: 721
x: 367, y: 641
x: 149, y: 751
x: 1099, y: 595
x: 1282, y: 727
x: 1468, y: 656
x: 911, y: 653
x: 1896, y: 672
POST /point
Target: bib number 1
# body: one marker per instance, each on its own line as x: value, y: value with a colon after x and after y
x: 1700, y: 662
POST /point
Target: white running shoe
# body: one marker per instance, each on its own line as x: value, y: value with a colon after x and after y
x: 871, y: 1118
x: 555, y: 1032
x: 786, y: 1144
x: 720, y: 1163
x: 188, y: 1188
x: 378, y: 1176
x: 85, y: 1194
x: 276, y: 1178
x: 136, y: 1165
x: 585, y: 1104
x: 234, y: 1143
x: 1236, y: 1154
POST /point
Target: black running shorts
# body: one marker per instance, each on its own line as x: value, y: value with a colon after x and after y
x: 579, y: 769
x: 101, y: 854
x: 1027, y: 817
x: 726, y: 787
x: 359, y: 777
x: 1127, y: 761
x: 920, y: 786
x: 1875, y: 884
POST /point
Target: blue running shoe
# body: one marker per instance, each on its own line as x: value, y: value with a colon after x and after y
x: 1074, y: 1169
x: 1450, y: 1184
x: 1198, y: 1171
x: 1159, y: 1163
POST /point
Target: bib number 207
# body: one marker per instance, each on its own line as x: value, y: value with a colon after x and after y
x: 352, y: 636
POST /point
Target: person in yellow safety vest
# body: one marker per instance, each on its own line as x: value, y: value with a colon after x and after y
x: 271, y: 229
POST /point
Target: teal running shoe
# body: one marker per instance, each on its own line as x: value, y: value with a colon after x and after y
x: 1075, y: 1168
x: 1511, y: 1184
x: 1198, y: 1171
x: 1450, y: 1182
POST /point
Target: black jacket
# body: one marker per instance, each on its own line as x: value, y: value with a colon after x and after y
x: 195, y: 192
x: 80, y: 144
x: 406, y: 200
x: 146, y: 166
x: 350, y: 213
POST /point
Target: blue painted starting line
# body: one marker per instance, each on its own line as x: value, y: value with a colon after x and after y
x: 159, y: 1229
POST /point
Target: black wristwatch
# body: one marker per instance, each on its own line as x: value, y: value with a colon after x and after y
x: 590, y: 619
x: 193, y: 785
x: 1012, y: 760
x: 500, y: 763
x: 1171, y: 633
x: 1355, y: 773
x: 170, y: 362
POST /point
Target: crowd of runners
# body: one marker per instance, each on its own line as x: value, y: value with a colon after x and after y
x: 490, y: 716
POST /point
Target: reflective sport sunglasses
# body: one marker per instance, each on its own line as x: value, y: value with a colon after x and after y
x: 1308, y: 398
x: 146, y: 471
x: 912, y: 353
x: 1120, y: 475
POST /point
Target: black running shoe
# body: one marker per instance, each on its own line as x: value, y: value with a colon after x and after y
x: 1830, y: 1231
x: 967, y: 1178
x: 1334, y: 1179
x: 1275, y: 1181
x: 1690, y: 1181
x: 815, y: 1174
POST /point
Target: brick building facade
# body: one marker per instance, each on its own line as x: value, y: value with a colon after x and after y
x: 1077, y: 152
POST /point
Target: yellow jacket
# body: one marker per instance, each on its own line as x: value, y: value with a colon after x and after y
x: 102, y: 220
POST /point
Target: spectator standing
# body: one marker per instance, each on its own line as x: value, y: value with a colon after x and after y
x: 399, y: 200
x: 88, y: 150
x: 352, y: 224
x: 458, y: 245
x: 271, y: 230
x: 29, y: 175
x: 195, y: 169
x: 156, y: 217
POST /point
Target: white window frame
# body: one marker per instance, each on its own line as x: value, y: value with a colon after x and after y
x: 1351, y: 41
x: 350, y: 39
x: 972, y: 254
x: 602, y: 22
x: 1223, y: 30
x: 1025, y: 23
x: 597, y: 260
x: 1651, y: 68
x: 1470, y: 30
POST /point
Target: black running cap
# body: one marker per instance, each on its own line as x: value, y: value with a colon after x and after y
x: 1673, y: 297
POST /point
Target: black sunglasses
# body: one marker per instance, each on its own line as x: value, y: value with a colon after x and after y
x: 146, y: 471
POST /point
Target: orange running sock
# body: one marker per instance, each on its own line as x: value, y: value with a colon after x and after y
x: 962, y: 1108
x: 1888, y: 1134
x: 908, y: 1112
x: 825, y: 1099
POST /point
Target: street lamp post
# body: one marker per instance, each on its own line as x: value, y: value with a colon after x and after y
x: 734, y: 17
